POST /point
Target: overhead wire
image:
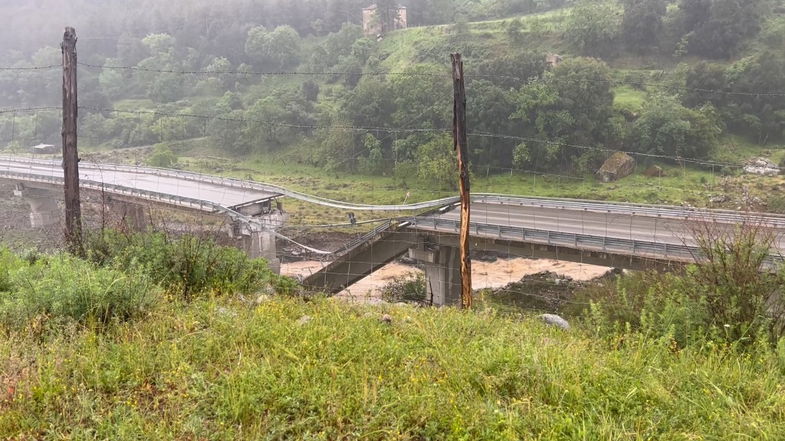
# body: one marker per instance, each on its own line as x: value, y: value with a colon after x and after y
x: 29, y: 109
x: 408, y: 130
x: 266, y: 122
x: 262, y: 73
x: 29, y: 68
x: 611, y: 81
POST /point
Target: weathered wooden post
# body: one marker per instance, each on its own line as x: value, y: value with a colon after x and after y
x: 460, y: 144
x: 73, y: 210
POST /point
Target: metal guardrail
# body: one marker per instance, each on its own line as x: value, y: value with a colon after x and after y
x: 180, y: 201
x: 629, y: 247
x: 241, y: 184
x: 364, y: 238
x: 661, y: 211
x: 578, y: 241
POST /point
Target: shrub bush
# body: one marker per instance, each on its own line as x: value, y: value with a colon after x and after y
x: 725, y: 297
x: 409, y: 289
x: 162, y: 157
x: 63, y: 288
x: 659, y: 305
x: 186, y: 266
x: 8, y: 261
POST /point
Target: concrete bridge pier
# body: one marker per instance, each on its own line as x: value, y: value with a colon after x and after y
x: 128, y: 214
x: 261, y: 244
x: 442, y: 273
x: 44, y: 211
x: 258, y: 242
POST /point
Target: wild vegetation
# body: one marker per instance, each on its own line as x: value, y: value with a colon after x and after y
x: 111, y: 354
x: 671, y: 78
x: 156, y: 337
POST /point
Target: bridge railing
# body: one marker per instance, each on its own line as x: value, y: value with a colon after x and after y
x: 244, y: 185
x: 274, y: 190
x: 660, y: 211
x: 610, y: 245
x: 148, y: 195
x: 364, y: 238
x: 663, y: 251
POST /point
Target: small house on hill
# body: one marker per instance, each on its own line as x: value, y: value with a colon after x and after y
x: 553, y: 60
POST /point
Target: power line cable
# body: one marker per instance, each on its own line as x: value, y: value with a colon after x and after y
x: 266, y: 122
x: 686, y: 88
x: 613, y: 82
x: 29, y: 109
x: 412, y: 130
x: 605, y: 149
x: 260, y: 73
x: 29, y: 68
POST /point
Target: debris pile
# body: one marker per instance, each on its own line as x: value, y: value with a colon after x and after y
x: 762, y: 167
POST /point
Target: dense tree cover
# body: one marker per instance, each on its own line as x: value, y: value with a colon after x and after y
x: 593, y: 26
x: 216, y: 27
x: 748, y: 94
x: 278, y: 49
x: 550, y: 118
x: 706, y: 28
x: 667, y: 128
x: 642, y: 23
x: 716, y: 28
x: 572, y: 104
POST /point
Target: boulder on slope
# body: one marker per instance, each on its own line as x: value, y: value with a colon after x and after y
x: 618, y: 166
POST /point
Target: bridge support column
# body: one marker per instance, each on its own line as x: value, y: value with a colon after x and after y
x: 44, y: 211
x: 442, y: 274
x: 261, y: 244
x: 128, y: 214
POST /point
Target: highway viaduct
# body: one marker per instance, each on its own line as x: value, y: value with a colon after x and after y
x: 633, y: 236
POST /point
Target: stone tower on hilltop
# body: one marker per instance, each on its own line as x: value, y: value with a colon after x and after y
x: 380, y: 19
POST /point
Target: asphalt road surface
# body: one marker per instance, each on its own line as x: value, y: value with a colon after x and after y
x: 223, y: 195
x: 594, y: 223
x: 593, y: 219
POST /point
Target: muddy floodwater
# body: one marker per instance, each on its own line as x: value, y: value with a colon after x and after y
x: 496, y: 274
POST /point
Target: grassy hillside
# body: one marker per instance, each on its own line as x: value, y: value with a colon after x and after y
x: 327, y: 370
x: 415, y: 95
x: 120, y: 346
x: 428, y: 48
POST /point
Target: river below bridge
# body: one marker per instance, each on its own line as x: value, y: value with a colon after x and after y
x: 496, y: 274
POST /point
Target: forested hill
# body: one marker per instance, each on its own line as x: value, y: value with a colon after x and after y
x: 663, y: 78
x: 218, y: 27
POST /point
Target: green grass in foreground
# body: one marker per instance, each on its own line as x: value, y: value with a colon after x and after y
x: 223, y: 370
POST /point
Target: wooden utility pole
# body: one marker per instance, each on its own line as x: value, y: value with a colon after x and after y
x: 73, y: 209
x: 460, y: 145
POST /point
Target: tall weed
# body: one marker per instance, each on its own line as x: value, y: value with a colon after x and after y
x: 409, y: 289
x: 8, y: 262
x: 187, y: 266
x: 730, y: 295
x: 63, y: 288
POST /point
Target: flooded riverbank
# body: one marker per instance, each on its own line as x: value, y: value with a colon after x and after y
x: 495, y: 274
